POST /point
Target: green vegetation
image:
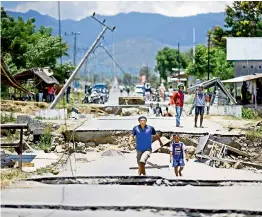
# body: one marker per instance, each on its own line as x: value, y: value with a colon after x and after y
x: 10, y: 176
x: 243, y: 19
x: 254, y: 134
x: 7, y: 117
x: 249, y: 113
x: 23, y: 47
x: 45, y: 140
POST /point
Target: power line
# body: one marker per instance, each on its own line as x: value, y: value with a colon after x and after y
x: 71, y: 78
x: 111, y: 58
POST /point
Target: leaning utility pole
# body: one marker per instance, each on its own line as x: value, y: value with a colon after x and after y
x: 71, y: 78
x: 73, y: 34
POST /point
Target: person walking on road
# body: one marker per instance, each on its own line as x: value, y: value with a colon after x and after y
x: 177, y: 150
x: 200, y: 101
x: 171, y: 93
x: 179, y: 103
x: 144, y: 134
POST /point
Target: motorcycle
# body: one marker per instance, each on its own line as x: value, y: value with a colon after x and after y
x: 95, y: 97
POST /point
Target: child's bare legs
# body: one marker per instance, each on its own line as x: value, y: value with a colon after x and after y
x: 176, y: 171
x: 180, y: 170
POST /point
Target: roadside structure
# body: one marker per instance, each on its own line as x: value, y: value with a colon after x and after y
x: 9, y: 80
x: 246, y: 53
x: 39, y: 78
x: 254, y: 87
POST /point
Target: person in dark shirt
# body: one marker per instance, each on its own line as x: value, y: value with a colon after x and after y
x: 143, y: 134
x: 158, y: 110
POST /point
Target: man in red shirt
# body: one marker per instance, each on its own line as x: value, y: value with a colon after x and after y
x: 179, y: 103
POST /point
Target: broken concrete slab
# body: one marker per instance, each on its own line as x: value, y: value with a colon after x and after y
x: 156, y: 145
x: 201, y: 145
x: 52, y: 114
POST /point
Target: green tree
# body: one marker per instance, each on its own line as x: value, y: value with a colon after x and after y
x: 200, y: 67
x: 63, y: 72
x: 25, y: 47
x: 219, y: 66
x: 243, y: 19
x: 222, y: 68
x: 167, y: 59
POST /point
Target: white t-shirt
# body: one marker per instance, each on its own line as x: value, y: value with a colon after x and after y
x: 183, y: 146
x: 171, y: 91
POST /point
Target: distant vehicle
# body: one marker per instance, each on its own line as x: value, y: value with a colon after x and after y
x: 101, y: 86
x: 139, y: 90
x: 103, y: 90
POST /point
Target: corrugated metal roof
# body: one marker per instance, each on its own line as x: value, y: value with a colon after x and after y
x: 244, y: 48
x: 243, y: 78
x: 212, y: 83
x: 39, y: 72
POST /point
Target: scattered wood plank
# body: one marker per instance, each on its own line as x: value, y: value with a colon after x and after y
x: 151, y: 167
x: 231, y: 148
x: 249, y: 164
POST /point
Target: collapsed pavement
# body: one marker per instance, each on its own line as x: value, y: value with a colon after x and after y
x: 103, y: 140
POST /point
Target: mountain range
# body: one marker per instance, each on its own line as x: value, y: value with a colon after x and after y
x: 136, y: 39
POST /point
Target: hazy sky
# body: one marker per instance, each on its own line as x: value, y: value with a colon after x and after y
x: 80, y: 10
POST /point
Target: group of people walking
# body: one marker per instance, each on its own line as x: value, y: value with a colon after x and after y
x: 145, y: 134
x: 177, y: 99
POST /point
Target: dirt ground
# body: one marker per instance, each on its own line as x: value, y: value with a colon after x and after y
x: 22, y: 107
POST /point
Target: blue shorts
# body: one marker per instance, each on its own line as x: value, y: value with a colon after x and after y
x: 199, y: 110
x: 179, y: 163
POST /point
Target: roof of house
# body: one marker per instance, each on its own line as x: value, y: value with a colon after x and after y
x: 40, y: 72
x: 243, y: 78
x: 244, y: 48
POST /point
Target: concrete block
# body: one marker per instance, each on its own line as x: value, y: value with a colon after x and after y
x: 231, y: 110
x: 23, y: 119
x: 52, y: 114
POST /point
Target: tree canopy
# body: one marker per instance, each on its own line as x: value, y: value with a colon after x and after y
x: 243, y: 19
x: 23, y: 46
x: 168, y: 58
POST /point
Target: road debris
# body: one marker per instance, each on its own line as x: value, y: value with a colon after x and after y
x: 217, y: 154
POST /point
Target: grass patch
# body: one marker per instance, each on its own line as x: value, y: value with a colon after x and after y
x: 45, y: 139
x: 249, y: 114
x: 254, y: 134
x: 7, y: 118
x: 10, y: 176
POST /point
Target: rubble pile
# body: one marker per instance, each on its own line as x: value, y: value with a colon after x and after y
x: 131, y: 111
x: 236, y: 152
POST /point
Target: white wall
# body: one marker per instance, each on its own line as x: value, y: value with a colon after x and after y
x: 230, y: 110
x: 247, y: 67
